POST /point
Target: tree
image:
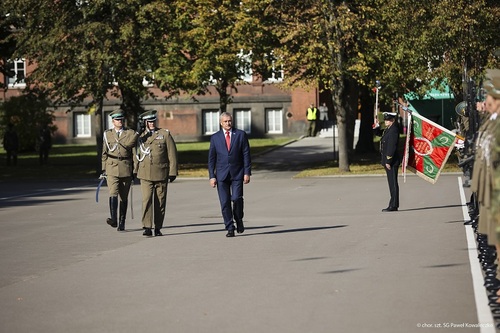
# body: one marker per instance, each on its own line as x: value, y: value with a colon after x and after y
x: 28, y: 113
x: 318, y: 44
x: 215, y: 44
x: 7, y: 45
x: 464, y: 38
x: 89, y: 49
x: 408, y: 45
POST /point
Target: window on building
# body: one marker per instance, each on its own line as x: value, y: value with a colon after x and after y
x: 148, y: 81
x: 275, y: 73
x: 82, y: 125
x: 274, y: 121
x: 211, y: 122
x: 17, y: 72
x: 245, y: 66
x: 243, y: 120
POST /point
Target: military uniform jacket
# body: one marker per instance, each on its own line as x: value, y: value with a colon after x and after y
x: 482, y: 172
x: 156, y: 157
x: 389, y: 143
x: 495, y: 195
x: 118, y: 152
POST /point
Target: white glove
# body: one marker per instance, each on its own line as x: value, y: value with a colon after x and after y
x: 460, y: 144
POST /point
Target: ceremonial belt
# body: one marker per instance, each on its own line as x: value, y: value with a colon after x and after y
x: 119, y: 158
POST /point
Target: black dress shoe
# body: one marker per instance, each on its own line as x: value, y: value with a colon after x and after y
x: 112, y: 223
x: 240, y: 228
x: 158, y: 232
x: 230, y: 233
x: 390, y: 209
x: 147, y: 232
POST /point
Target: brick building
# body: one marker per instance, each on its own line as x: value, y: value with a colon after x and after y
x: 259, y: 107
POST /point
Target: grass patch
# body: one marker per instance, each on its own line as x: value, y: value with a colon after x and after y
x: 365, y: 165
x: 72, y: 162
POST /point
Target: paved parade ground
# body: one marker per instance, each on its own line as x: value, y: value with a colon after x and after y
x: 318, y: 255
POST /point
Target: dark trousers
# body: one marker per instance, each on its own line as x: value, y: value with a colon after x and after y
x: 11, y: 155
x: 311, y: 128
x: 392, y: 179
x: 231, y: 191
x: 44, y: 155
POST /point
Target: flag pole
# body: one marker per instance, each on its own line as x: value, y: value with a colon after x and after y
x: 375, y: 110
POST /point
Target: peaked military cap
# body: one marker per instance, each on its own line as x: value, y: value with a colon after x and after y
x: 149, y: 115
x: 492, y: 86
x: 389, y: 115
x: 117, y: 114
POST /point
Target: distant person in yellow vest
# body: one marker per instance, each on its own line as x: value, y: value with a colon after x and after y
x: 312, y: 117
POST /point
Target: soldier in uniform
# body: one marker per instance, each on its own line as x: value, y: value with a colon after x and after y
x: 493, y: 89
x: 155, y: 165
x: 482, y: 172
x: 486, y: 183
x: 117, y: 165
x: 391, y: 158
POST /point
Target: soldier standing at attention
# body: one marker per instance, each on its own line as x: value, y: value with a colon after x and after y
x: 493, y: 89
x: 482, y: 171
x: 391, y: 157
x: 117, y: 166
x: 155, y: 165
x: 489, y: 209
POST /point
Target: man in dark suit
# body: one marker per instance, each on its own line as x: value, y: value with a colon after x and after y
x: 229, y: 167
x: 391, y: 159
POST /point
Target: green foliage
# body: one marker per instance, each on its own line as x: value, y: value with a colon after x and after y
x: 90, y: 49
x: 28, y: 113
x: 213, y: 43
x: 70, y: 162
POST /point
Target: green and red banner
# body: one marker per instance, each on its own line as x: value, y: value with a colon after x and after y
x: 428, y: 146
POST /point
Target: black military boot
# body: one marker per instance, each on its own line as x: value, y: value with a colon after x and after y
x: 123, y: 215
x: 113, y: 207
x: 147, y: 232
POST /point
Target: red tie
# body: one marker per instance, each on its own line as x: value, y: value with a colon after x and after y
x: 228, y: 140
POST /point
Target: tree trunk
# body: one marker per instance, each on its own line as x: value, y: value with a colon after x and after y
x: 131, y: 105
x: 351, y: 100
x: 365, y: 140
x: 224, y: 97
x: 340, y: 105
x: 345, y: 99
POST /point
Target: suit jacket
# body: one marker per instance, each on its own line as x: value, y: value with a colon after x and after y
x: 117, y: 152
x: 236, y: 162
x: 156, y: 157
x: 389, y: 144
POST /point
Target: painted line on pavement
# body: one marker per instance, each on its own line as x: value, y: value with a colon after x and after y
x: 42, y: 192
x: 484, y: 316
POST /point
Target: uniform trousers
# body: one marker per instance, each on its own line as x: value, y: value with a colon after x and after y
x: 119, y: 186
x: 154, y: 203
x: 231, y: 190
x: 392, y: 179
x: 311, y: 128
